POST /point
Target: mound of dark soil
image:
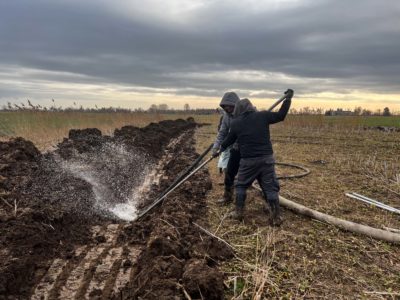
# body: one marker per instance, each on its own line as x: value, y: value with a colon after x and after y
x: 178, y: 258
x: 46, y: 207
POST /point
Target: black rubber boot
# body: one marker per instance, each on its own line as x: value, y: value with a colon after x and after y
x: 266, y: 207
x: 227, y: 198
x: 276, y: 217
x: 238, y: 213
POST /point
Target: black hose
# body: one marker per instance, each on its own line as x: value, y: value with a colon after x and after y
x: 305, y: 173
x: 187, y: 171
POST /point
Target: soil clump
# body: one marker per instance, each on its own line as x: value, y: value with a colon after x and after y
x: 178, y: 258
x: 49, y: 203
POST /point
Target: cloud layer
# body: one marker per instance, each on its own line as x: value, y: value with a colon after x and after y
x: 71, y: 49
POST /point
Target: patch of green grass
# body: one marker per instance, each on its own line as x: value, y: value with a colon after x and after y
x: 392, y: 121
x: 342, y: 121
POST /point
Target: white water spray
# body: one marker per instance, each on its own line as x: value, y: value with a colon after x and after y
x: 112, y: 166
x: 101, y: 171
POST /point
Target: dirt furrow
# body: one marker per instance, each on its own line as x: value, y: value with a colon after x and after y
x: 86, y: 252
x: 106, y: 268
x: 89, y: 278
x: 102, y: 272
x: 77, y: 275
x: 47, y: 284
x: 46, y: 288
x: 126, y: 268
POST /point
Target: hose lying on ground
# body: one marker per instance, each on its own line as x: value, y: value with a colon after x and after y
x: 305, y: 173
x: 375, y: 233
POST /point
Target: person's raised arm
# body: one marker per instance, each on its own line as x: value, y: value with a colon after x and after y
x: 275, y: 117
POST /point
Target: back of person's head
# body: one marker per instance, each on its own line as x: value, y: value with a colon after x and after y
x: 242, y: 107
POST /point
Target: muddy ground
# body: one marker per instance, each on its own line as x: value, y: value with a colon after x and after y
x: 59, y: 238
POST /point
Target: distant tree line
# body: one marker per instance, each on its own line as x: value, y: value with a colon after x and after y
x: 359, y: 111
x: 306, y: 111
x: 154, y: 108
x: 165, y: 109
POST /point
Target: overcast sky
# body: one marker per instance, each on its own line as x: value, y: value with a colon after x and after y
x: 135, y: 53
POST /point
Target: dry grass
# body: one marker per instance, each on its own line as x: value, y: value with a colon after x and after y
x: 303, y: 258
x: 46, y: 129
x: 306, y: 258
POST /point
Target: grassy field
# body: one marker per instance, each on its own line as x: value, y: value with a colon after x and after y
x: 47, y: 128
x: 304, y: 258
x: 392, y: 121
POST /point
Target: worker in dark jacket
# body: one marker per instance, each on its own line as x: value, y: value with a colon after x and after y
x: 227, y: 103
x: 251, y: 130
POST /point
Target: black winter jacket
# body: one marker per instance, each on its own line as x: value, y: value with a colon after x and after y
x: 251, y: 129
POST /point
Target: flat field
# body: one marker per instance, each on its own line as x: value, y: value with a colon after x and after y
x: 303, y: 258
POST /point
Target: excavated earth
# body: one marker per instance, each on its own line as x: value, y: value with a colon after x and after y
x: 60, y: 240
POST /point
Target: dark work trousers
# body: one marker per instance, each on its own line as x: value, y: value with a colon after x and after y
x: 261, y: 169
x: 232, y: 168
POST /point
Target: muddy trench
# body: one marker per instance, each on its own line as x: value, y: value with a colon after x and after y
x: 65, y: 218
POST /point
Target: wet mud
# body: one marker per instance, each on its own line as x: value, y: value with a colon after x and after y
x: 60, y: 241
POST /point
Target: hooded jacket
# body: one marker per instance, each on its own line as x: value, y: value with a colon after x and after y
x: 242, y: 107
x: 229, y: 98
x: 251, y: 129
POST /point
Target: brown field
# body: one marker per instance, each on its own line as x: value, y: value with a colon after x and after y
x: 304, y: 258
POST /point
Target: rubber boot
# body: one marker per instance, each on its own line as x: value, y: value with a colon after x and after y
x: 238, y: 213
x: 266, y: 207
x: 276, y: 217
x: 227, y: 198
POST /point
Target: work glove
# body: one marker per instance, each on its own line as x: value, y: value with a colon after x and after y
x: 289, y: 94
x: 215, y: 152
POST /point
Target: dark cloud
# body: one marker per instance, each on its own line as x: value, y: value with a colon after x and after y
x: 313, y: 46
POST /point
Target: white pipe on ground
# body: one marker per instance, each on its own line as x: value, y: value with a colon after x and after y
x: 373, y: 202
x: 375, y: 233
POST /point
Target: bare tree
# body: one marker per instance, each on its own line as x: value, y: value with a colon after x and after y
x: 386, y: 112
x: 366, y: 112
x: 357, y: 110
x: 153, y: 108
x: 163, y: 107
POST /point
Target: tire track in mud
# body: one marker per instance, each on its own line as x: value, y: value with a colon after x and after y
x: 103, y: 270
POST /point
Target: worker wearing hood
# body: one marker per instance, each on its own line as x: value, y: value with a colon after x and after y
x: 228, y: 103
x: 242, y: 107
x: 251, y: 130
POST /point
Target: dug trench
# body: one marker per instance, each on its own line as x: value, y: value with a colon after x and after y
x: 65, y: 228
